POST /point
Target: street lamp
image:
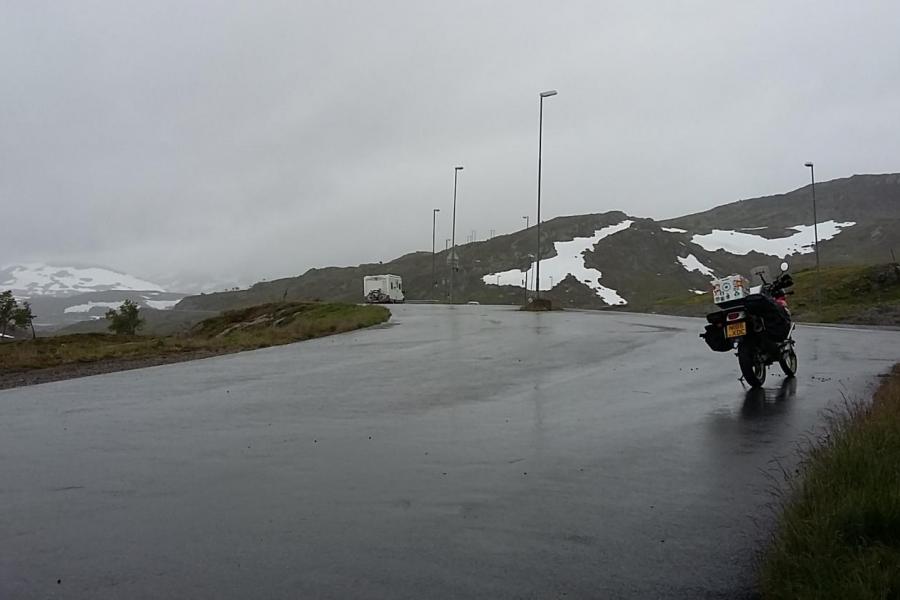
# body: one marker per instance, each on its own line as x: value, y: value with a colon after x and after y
x: 547, y: 94
x: 434, y: 212
x: 527, y: 273
x: 456, y: 171
x: 812, y: 176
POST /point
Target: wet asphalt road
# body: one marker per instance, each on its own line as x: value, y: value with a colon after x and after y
x: 468, y: 452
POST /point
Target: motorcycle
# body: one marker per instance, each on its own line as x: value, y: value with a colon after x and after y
x: 761, y: 328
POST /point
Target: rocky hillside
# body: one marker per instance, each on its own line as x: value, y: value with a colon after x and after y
x: 870, y: 201
x: 615, y: 260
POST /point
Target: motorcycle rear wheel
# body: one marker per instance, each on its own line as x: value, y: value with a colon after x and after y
x: 752, y: 366
x: 788, y: 362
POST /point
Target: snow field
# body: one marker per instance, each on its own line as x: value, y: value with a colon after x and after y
x: 692, y: 263
x: 737, y: 242
x: 569, y: 260
x: 41, y: 279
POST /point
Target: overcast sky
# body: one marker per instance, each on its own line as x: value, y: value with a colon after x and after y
x: 204, y: 143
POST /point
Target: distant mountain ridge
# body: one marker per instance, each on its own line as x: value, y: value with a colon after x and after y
x: 61, y: 295
x: 638, y: 262
x: 53, y: 312
x: 39, y: 279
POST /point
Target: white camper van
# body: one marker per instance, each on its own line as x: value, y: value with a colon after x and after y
x: 383, y: 289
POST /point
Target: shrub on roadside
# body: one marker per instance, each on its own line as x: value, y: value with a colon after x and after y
x: 125, y: 321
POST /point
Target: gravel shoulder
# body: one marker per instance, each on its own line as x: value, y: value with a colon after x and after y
x: 73, y: 371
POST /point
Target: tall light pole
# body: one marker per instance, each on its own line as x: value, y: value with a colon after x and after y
x: 456, y: 171
x: 812, y: 176
x: 434, y: 212
x: 537, y: 285
x: 527, y: 273
x: 529, y: 262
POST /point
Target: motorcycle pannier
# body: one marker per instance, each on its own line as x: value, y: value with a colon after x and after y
x: 716, y: 340
x: 776, y: 319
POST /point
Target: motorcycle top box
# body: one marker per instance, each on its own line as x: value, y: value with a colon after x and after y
x: 733, y: 287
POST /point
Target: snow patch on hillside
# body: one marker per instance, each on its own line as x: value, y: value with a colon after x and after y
x: 569, y: 260
x: 692, y: 263
x: 736, y: 242
x: 87, y: 306
x: 40, y: 279
x: 673, y: 230
x: 162, y: 304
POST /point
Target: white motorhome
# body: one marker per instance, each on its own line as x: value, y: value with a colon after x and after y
x: 383, y: 289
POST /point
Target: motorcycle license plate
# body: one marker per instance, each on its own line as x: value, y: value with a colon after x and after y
x: 736, y: 330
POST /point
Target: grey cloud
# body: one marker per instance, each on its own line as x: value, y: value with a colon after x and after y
x: 227, y: 142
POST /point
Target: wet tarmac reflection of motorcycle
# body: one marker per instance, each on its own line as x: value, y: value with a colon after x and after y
x: 760, y: 402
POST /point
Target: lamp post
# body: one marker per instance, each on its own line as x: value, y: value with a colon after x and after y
x: 812, y: 176
x: 456, y: 171
x: 529, y: 264
x: 547, y: 94
x: 434, y: 212
x: 527, y: 273
x: 525, y: 297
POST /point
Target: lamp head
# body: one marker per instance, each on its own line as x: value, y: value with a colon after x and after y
x: 808, y: 165
x: 548, y: 93
x: 458, y: 168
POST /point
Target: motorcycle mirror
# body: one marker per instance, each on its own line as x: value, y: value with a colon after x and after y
x: 784, y: 267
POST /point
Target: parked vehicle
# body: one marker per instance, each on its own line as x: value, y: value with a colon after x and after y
x: 758, y: 324
x: 383, y: 289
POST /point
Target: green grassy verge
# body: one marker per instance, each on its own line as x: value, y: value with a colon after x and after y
x: 849, y: 294
x: 839, y: 534
x: 232, y: 331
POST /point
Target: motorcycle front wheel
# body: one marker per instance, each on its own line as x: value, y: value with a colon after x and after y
x: 752, y: 366
x: 788, y: 362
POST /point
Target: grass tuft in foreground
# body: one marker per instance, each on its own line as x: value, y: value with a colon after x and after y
x: 232, y: 331
x: 839, y: 534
